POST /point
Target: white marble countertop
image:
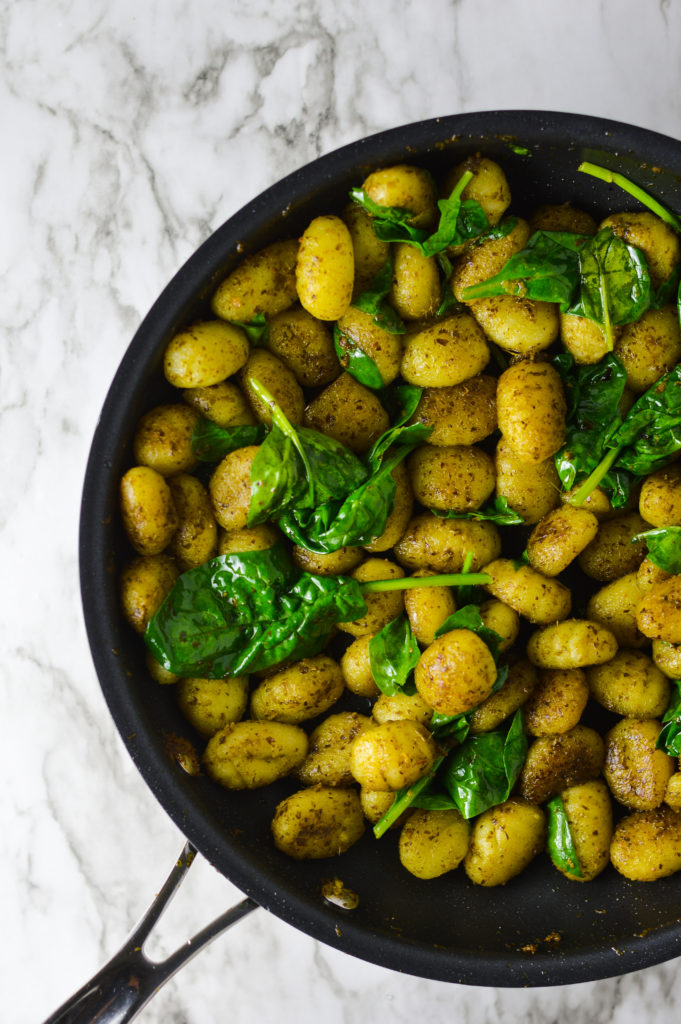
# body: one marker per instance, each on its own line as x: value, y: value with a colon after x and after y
x: 131, y: 131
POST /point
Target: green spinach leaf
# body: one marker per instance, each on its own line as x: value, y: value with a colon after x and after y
x: 560, y: 843
x: 210, y: 442
x: 460, y: 220
x: 669, y: 737
x: 499, y: 511
x: 374, y: 302
x: 355, y: 360
x: 393, y: 655
x: 482, y: 772
x: 469, y: 617
x: 297, y: 468
x: 547, y: 270
x: 257, y: 330
x: 614, y: 283
x: 664, y: 547
x: 244, y: 612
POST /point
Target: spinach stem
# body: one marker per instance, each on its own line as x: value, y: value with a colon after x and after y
x: 594, y: 478
x: 403, y: 799
x: 410, y: 582
x: 613, y: 178
x: 280, y: 420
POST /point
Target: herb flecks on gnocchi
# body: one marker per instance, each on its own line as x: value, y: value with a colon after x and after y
x: 406, y: 537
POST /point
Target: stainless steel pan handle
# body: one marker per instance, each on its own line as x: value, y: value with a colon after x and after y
x: 124, y: 985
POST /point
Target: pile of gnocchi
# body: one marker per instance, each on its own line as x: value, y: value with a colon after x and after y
x: 588, y: 627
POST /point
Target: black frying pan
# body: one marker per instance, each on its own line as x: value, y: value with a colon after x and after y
x: 540, y: 929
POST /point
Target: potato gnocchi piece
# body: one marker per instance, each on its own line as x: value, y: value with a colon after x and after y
x: 195, y: 539
x: 504, y: 840
x: 298, y: 692
x: 614, y: 606
x: 370, y: 253
x: 279, y: 380
x: 357, y: 329
x: 428, y: 608
x: 556, y: 702
x: 630, y: 684
x: 521, y: 681
x: 205, y: 354
x: 589, y: 813
x: 163, y: 439
x: 410, y: 188
x: 348, y: 412
x: 554, y: 763
x: 264, y: 282
x: 649, y: 347
x: 147, y: 509
x: 456, y: 672
x: 144, y: 583
x: 416, y: 292
x: 464, y: 413
x: 559, y: 538
x: 317, y: 823
x: 457, y: 479
x: 247, y: 755
x: 393, y: 755
x: 230, y: 488
x: 531, y: 410
x: 328, y: 757
x: 660, y: 498
x: 210, y: 704
x: 305, y: 345
x: 446, y: 353
x: 635, y: 771
x: 441, y: 545
x: 573, y: 643
x: 433, y: 842
x: 488, y: 186
x: 531, y: 489
x: 535, y: 597
x: 325, y: 268
x: 646, y: 845
x: 383, y: 607
x: 659, y: 611
x: 356, y: 668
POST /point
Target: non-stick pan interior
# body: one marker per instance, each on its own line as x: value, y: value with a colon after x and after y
x: 540, y: 929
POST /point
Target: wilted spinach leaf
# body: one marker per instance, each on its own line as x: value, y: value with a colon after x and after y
x: 614, y: 283
x: 460, y: 220
x: 546, y: 269
x: 257, y: 330
x: 297, y: 468
x: 373, y: 301
x: 664, y: 547
x: 393, y: 654
x: 482, y: 772
x: 499, y: 511
x: 355, y: 360
x: 560, y: 843
x: 244, y: 612
x: 669, y: 737
x: 210, y: 442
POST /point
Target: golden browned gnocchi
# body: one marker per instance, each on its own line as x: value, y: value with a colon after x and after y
x: 314, y: 823
x: 503, y: 841
x: 325, y: 269
x: 531, y: 410
x: 365, y: 716
x: 433, y: 842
